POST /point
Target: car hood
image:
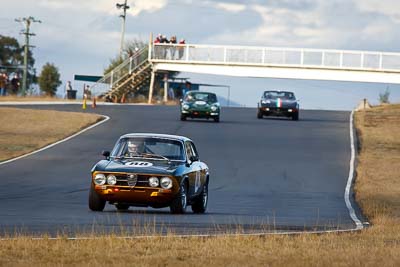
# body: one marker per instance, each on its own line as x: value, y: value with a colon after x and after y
x: 199, y: 103
x: 279, y: 102
x: 146, y: 166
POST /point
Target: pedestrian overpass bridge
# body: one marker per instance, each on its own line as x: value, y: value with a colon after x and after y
x: 139, y: 70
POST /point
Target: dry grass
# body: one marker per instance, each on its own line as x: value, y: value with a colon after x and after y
x: 32, y: 98
x: 375, y: 246
x: 378, y: 182
x: 25, y: 130
x: 377, y: 190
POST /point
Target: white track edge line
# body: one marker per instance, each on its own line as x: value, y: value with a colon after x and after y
x: 352, y: 212
x: 106, y: 118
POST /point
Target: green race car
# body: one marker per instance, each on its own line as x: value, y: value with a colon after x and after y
x: 198, y: 104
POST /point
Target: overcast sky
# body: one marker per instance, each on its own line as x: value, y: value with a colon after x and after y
x: 80, y: 36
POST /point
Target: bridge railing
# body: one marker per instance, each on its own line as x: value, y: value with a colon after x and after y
x: 120, y: 72
x: 281, y: 57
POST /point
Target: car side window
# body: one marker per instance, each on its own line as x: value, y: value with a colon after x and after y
x: 188, y: 149
x: 194, y: 150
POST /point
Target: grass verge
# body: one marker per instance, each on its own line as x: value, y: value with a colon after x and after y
x: 25, y: 130
x: 377, y: 190
x: 34, y: 98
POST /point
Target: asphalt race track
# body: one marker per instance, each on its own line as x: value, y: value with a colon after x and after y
x: 266, y: 175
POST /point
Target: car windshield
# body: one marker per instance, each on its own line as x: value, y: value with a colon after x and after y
x: 208, y: 97
x: 149, y: 147
x: 276, y: 94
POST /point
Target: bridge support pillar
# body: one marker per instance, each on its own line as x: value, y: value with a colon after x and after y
x: 166, y: 85
x: 152, y: 80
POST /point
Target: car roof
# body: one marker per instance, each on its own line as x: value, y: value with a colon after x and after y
x: 164, y: 136
x: 201, y: 92
x: 278, y: 91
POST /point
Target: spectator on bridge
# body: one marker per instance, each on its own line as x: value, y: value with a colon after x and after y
x: 158, y: 39
x: 181, y: 48
x: 173, y: 48
x: 157, y: 49
x: 164, y: 40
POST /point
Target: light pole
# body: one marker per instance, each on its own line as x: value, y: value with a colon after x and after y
x: 124, y: 7
x: 27, y: 34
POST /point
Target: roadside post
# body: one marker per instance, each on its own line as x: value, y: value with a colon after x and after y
x: 84, y: 102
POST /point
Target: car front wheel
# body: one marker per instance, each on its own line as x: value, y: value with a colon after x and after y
x: 199, y: 205
x: 259, y: 114
x: 183, y: 117
x: 216, y: 119
x: 295, y: 116
x: 96, y: 203
x: 179, y: 204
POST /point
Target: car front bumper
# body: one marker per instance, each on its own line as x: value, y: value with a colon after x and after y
x: 274, y: 111
x: 200, y: 113
x: 136, y: 196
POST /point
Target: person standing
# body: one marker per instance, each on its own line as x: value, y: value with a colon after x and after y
x: 187, y: 88
x: 136, y: 57
x: 3, y: 84
x: 181, y: 48
x: 15, y: 84
x: 68, y: 87
x: 157, y: 48
x: 173, y: 48
x: 164, y: 40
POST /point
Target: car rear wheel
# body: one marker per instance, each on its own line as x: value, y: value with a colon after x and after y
x: 96, y: 203
x: 179, y: 204
x: 199, y: 205
x: 183, y: 117
x: 122, y: 207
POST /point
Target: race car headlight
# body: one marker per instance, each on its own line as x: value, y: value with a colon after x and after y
x: 214, y: 108
x: 166, y: 182
x: 153, y: 181
x: 111, y: 179
x: 265, y: 101
x: 99, y: 179
x: 185, y: 107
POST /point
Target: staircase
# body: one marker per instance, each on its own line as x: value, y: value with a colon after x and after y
x: 130, y: 76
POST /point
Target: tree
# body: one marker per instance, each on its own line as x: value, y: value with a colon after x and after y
x: 12, y: 58
x: 384, y: 97
x: 129, y: 51
x: 49, y: 79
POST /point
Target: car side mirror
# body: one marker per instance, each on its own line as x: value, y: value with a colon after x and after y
x: 193, y: 158
x: 106, y: 154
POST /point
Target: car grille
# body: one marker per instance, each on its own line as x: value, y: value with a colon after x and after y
x: 133, y: 180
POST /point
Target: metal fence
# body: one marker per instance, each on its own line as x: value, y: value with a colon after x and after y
x: 120, y: 72
x: 281, y: 57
